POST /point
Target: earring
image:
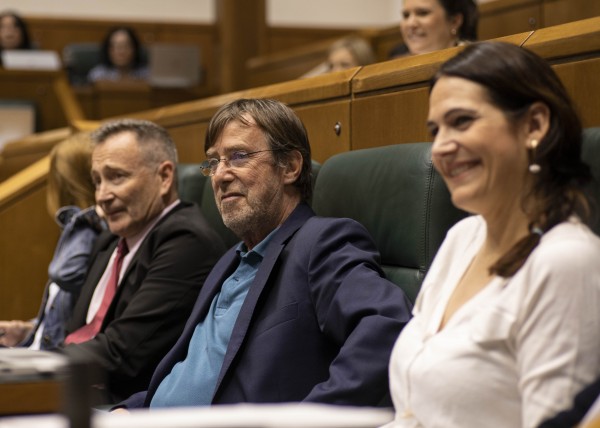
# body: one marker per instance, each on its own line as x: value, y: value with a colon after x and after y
x: 534, y: 168
x: 453, y: 31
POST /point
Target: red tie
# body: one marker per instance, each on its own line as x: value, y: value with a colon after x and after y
x: 89, y: 331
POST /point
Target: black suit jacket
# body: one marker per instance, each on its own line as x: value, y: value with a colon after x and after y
x: 318, y: 323
x: 153, y: 301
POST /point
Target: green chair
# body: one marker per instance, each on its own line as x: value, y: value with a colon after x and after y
x: 590, y: 153
x: 79, y: 59
x: 395, y: 192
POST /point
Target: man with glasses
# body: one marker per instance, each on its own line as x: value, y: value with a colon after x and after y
x: 146, y: 273
x: 299, y: 310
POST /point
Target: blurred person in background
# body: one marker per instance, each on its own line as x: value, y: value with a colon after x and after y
x: 121, y: 57
x: 70, y: 199
x: 13, y: 32
x: 351, y: 51
x: 430, y: 25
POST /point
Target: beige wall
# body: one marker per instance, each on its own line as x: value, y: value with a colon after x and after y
x: 201, y: 11
x: 333, y: 13
x: 303, y: 13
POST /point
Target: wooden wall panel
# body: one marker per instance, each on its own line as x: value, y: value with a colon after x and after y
x: 29, y: 236
x: 581, y: 80
x: 20, y: 154
x: 189, y: 140
x: 392, y: 118
x: 36, y: 86
x: 505, y: 17
x: 283, y: 38
x: 562, y: 11
x: 320, y: 122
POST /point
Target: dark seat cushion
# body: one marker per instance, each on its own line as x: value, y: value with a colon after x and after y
x: 395, y: 192
x: 590, y: 153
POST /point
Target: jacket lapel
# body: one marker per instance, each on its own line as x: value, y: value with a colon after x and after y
x: 287, y: 230
x: 212, y: 285
x: 106, y: 244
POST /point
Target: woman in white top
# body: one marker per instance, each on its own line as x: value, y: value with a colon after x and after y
x: 506, y: 328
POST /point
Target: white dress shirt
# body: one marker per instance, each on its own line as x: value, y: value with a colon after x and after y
x: 133, y: 244
x: 514, y: 354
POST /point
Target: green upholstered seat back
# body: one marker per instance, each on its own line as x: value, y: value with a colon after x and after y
x: 195, y: 187
x: 395, y: 192
x: 590, y: 153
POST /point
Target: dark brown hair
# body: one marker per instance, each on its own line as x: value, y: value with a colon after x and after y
x: 137, y: 60
x: 514, y: 78
x: 21, y: 25
x: 470, y: 14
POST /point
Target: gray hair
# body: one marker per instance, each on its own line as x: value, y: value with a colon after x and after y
x: 155, y: 142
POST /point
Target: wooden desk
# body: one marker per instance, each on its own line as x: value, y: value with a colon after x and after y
x: 109, y: 99
x: 36, y: 85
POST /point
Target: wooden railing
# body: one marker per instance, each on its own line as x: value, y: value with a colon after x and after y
x: 376, y: 105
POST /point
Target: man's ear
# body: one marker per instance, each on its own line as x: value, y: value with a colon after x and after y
x: 166, y: 173
x: 293, y: 167
x: 537, y: 122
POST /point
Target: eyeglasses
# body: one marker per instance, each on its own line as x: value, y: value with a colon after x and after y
x: 235, y: 160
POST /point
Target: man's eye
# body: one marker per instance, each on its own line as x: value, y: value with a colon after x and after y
x: 236, y: 156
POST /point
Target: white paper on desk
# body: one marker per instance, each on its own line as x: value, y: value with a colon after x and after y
x: 22, y: 364
x: 37, y: 421
x: 31, y: 60
x: 230, y: 416
x: 294, y: 415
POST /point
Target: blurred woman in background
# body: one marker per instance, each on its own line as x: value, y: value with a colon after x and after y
x: 13, y: 32
x: 431, y: 25
x: 349, y: 52
x: 121, y: 57
x: 70, y: 199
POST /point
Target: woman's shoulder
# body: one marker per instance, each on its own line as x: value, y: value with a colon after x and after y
x: 570, y: 240
x: 569, y: 253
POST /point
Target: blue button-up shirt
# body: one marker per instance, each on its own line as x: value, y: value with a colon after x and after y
x: 192, y: 381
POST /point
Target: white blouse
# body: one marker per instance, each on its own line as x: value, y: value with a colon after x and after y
x: 514, y: 354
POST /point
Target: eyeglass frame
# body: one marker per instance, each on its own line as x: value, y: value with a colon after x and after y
x: 209, y: 166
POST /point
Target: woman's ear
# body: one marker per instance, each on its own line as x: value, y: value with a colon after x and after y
x: 293, y: 167
x: 537, y: 121
x: 456, y: 22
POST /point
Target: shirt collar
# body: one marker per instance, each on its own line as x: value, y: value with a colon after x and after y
x: 259, y: 249
x: 135, y: 241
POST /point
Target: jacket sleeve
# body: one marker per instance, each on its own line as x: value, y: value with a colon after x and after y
x: 358, y: 309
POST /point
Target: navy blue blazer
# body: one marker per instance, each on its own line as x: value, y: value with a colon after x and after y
x: 318, y: 323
